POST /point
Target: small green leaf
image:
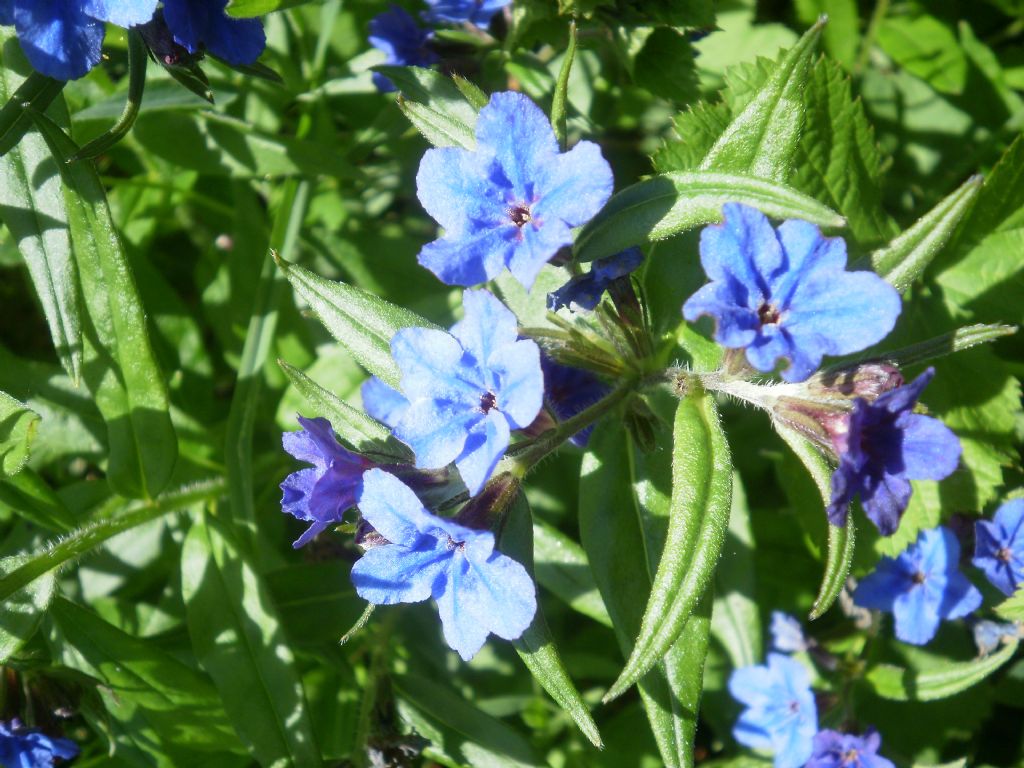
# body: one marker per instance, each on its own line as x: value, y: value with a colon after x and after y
x: 361, y: 322
x: 17, y: 430
x: 1012, y: 609
x: 926, y: 47
x: 900, y: 684
x: 841, y: 539
x: 763, y: 138
x: 29, y: 495
x: 239, y: 641
x: 536, y: 647
x: 667, y: 204
x: 120, y: 367
x: 247, y: 9
x: 435, y: 105
x: 23, y: 611
x: 699, y: 515
x: 905, y: 258
x: 559, y: 103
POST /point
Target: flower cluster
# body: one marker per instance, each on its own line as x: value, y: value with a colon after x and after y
x: 63, y: 39
x: 23, y: 747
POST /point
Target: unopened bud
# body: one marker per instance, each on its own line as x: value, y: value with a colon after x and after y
x: 868, y: 381
x: 488, y: 509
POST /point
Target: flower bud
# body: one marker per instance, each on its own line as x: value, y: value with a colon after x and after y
x: 487, y: 510
x: 868, y: 380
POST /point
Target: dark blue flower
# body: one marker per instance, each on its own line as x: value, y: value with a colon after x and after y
x: 781, y: 716
x: 785, y: 294
x: 22, y: 747
x: 403, y: 41
x: 204, y: 26
x: 999, y: 546
x: 62, y: 38
x: 568, y: 391
x: 787, y: 634
x: 477, y: 12
x: 882, y: 446
x: 846, y: 750
x: 921, y: 587
x: 513, y: 201
x: 585, y: 291
x: 478, y: 590
x: 321, y: 494
x: 467, y: 390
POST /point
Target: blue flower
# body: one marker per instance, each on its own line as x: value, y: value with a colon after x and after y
x: 513, y: 201
x: 568, y: 391
x: 785, y: 294
x: 989, y: 635
x: 477, y: 12
x: 467, y: 390
x: 921, y: 587
x: 787, y: 634
x: 321, y: 494
x: 846, y: 750
x: 403, y: 42
x: 204, y: 26
x: 478, y: 590
x: 585, y: 291
x: 882, y: 446
x: 781, y: 716
x: 999, y: 546
x: 62, y: 38
x: 22, y: 747
x: 386, y: 404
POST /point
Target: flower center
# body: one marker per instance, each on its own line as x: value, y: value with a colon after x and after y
x: 488, y: 400
x: 768, y: 314
x: 520, y: 214
x: 850, y: 757
x: 919, y: 578
x: 794, y: 707
x: 453, y: 544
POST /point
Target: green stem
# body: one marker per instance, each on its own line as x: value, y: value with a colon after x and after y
x: 138, y: 60
x: 881, y: 9
x: 559, y: 103
x: 91, y: 536
x: 525, y: 459
x: 37, y: 92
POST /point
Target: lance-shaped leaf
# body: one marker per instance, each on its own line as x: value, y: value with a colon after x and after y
x: 900, y: 684
x: 27, y: 494
x: 23, y: 611
x: 763, y: 138
x: 536, y: 646
x: 246, y: 9
x: 955, y: 341
x: 905, y: 258
x: 670, y: 203
x: 435, y: 105
x: 17, y: 429
x: 239, y: 641
x: 698, y: 518
x: 561, y: 566
x: 841, y: 539
x: 120, y: 368
x: 361, y: 322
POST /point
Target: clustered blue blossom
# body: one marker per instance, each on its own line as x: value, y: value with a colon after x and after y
x: 62, y: 38
x: 585, y: 291
x: 921, y: 587
x: 23, y: 747
x: 320, y: 495
x: 844, y: 750
x: 999, y: 546
x: 884, y: 446
x: 478, y: 590
x: 403, y: 42
x: 513, y: 201
x: 785, y: 294
x: 465, y: 391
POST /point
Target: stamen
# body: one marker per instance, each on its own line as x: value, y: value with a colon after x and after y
x: 768, y: 314
x: 488, y: 400
x: 520, y: 215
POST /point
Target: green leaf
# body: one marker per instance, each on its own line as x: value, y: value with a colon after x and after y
x: 354, y: 426
x: 670, y: 203
x: 561, y: 566
x: 762, y: 139
x: 536, y: 647
x: 435, y: 105
x: 32, y: 208
x: 842, y: 33
x: 17, y: 430
x: 120, y: 367
x: 28, y: 495
x: 245, y: 9
x: 948, y: 343
x: 1012, y: 609
x: 698, y: 518
x: 900, y: 684
x: 147, y: 689
x: 665, y: 65
x: 905, y: 258
x: 841, y: 539
x: 89, y: 537
x: 361, y: 322
x: 23, y: 611
x: 926, y: 47
x: 239, y: 641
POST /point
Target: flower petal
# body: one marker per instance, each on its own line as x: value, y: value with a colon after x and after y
x: 917, y: 613
x: 743, y: 251
x: 436, y: 434
x: 930, y: 449
x: 121, y: 13
x: 431, y: 364
x: 536, y: 247
x: 885, y: 500
x: 574, y: 186
x: 296, y: 490
x: 518, y: 134
x: 879, y: 589
x: 58, y: 38
x: 390, y: 506
x: 392, y: 574
x: 384, y: 403
x: 521, y: 382
x: 473, y: 259
x: 452, y: 186
x: 736, y: 325
x: 487, y: 326
x: 484, y: 447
